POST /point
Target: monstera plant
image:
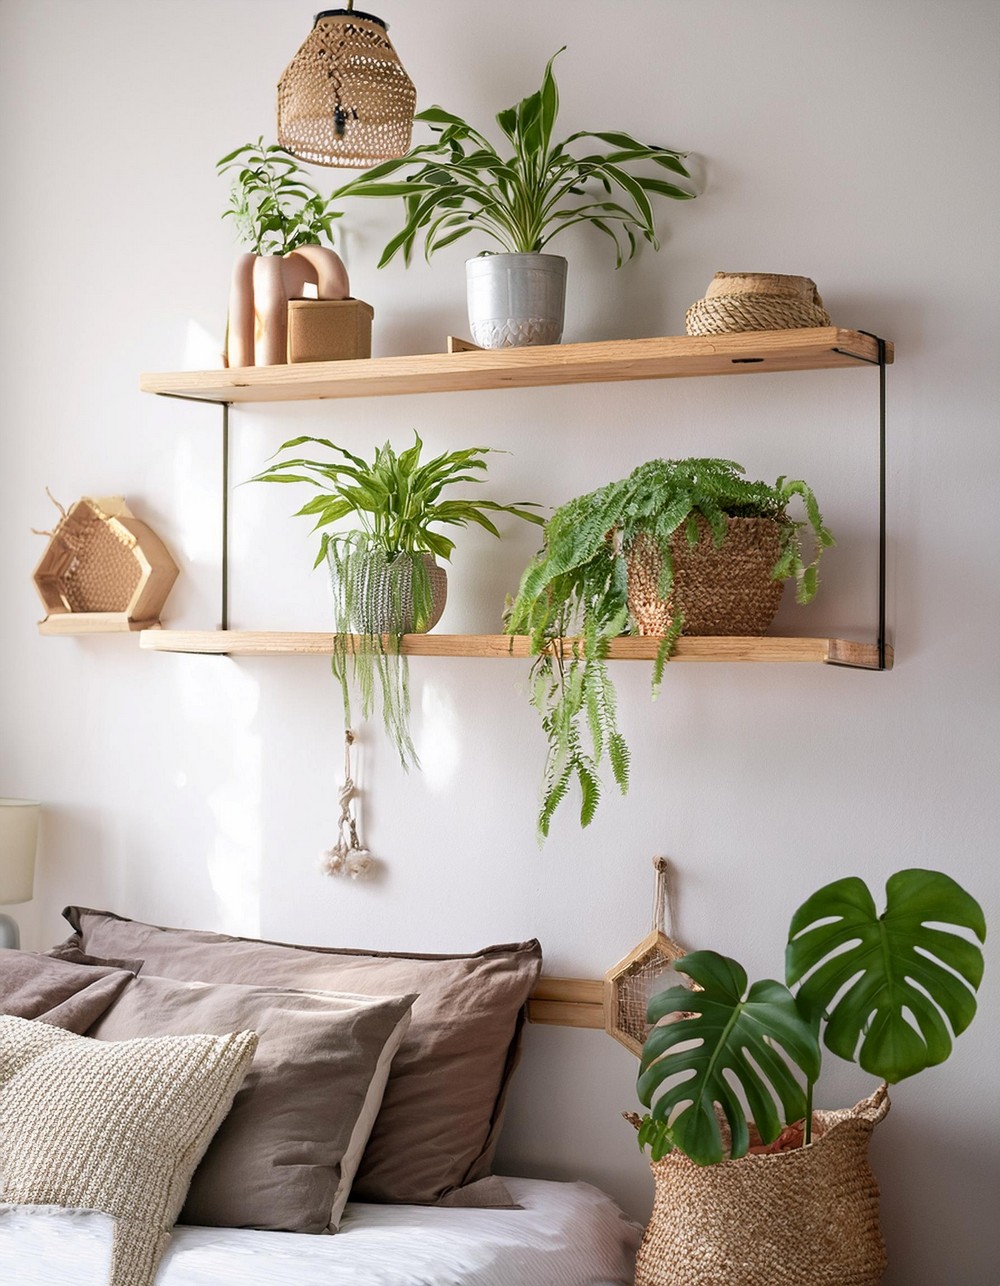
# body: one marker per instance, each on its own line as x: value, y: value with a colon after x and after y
x: 887, y: 990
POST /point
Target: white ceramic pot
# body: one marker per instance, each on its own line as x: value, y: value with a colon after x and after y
x: 516, y: 300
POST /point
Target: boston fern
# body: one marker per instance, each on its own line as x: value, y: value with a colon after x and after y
x: 274, y: 207
x: 576, y: 588
x: 379, y: 567
x: 460, y: 183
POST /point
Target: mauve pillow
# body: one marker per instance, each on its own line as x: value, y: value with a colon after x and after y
x: 441, y: 1114
x: 285, y: 1156
x: 71, y: 996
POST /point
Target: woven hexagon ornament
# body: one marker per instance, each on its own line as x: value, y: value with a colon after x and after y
x: 103, y: 570
x: 647, y: 969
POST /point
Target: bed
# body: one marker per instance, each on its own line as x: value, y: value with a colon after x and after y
x: 189, y: 1108
x: 567, y: 1234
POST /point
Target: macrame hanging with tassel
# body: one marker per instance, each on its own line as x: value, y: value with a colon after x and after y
x: 348, y: 856
x: 630, y: 983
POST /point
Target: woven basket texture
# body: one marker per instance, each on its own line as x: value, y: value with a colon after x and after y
x: 741, y: 301
x: 728, y: 590
x: 383, y: 595
x: 102, y: 572
x: 804, y: 1217
x: 345, y: 99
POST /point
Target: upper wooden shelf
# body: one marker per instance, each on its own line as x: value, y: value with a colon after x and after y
x: 627, y: 648
x: 822, y: 348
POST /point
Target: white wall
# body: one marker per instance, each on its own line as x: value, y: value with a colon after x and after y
x: 852, y: 142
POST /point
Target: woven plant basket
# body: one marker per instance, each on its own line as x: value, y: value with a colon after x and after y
x: 804, y: 1217
x: 729, y: 590
x: 740, y: 301
x: 345, y: 99
x: 382, y: 594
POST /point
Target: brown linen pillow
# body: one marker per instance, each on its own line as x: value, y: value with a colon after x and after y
x: 115, y: 1127
x: 286, y: 1154
x: 441, y: 1115
x: 70, y: 996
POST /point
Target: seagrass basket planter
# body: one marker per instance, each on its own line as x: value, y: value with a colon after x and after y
x: 742, y: 301
x: 724, y: 590
x: 807, y: 1216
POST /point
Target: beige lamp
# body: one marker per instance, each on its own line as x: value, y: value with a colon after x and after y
x: 18, y: 841
x: 345, y: 99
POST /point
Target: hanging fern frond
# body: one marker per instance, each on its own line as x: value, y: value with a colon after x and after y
x: 577, y: 587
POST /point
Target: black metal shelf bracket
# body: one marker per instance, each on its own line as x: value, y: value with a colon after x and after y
x: 881, y: 634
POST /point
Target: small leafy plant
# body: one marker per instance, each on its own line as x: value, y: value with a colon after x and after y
x: 521, y: 199
x: 381, y: 567
x: 273, y: 205
x: 888, y: 991
x: 577, y: 587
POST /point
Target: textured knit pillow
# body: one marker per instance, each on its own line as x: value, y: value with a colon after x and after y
x: 286, y: 1155
x: 440, y: 1119
x: 114, y: 1127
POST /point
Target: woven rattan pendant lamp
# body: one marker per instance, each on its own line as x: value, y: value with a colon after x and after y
x: 344, y: 99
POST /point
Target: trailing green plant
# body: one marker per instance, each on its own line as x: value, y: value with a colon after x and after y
x: 382, y: 584
x: 889, y: 991
x: 576, y: 588
x: 460, y: 183
x: 274, y: 206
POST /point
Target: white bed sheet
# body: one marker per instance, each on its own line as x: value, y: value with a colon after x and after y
x: 567, y: 1234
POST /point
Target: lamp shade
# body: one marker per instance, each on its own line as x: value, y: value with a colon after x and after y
x: 18, y: 840
x: 344, y: 99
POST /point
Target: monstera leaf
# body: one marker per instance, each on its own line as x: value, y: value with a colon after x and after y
x: 903, y: 978
x: 738, y: 1034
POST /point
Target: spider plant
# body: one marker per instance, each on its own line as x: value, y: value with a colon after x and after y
x: 525, y: 195
x: 577, y: 587
x: 382, y: 568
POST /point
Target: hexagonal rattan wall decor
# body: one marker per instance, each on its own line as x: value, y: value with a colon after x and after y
x: 103, y: 570
x: 630, y: 983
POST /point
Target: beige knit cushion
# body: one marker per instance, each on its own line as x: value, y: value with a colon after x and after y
x: 117, y: 1127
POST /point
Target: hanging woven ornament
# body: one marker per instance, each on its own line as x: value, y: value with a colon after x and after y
x: 348, y: 856
x: 646, y: 969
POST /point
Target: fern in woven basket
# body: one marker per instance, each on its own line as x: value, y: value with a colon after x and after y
x: 889, y: 990
x: 383, y: 571
x: 576, y: 587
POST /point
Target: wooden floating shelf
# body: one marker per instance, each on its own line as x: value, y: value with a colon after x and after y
x: 723, y: 648
x: 806, y: 349
x: 567, y: 1002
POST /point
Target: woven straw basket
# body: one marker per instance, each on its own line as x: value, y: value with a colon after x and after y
x: 729, y: 590
x: 804, y: 1217
x: 738, y: 301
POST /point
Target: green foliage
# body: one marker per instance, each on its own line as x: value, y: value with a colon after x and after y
x: 738, y: 1031
x: 577, y: 587
x: 275, y: 208
x: 460, y: 183
x: 885, y: 983
x: 378, y: 565
x: 896, y: 966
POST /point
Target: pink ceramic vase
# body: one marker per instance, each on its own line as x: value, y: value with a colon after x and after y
x: 260, y: 289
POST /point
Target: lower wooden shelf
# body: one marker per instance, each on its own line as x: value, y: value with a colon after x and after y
x: 723, y: 648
